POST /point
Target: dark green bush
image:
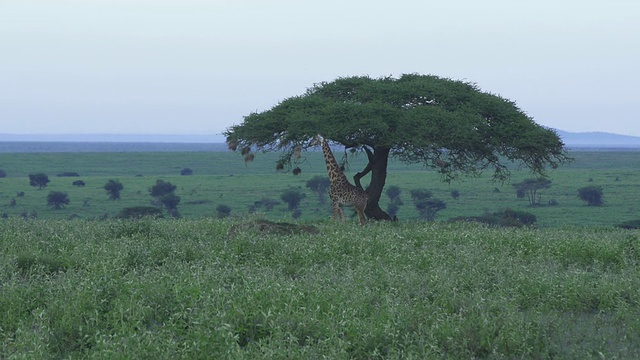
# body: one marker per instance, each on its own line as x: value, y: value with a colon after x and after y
x: 223, y: 210
x: 631, y: 224
x: 592, y: 195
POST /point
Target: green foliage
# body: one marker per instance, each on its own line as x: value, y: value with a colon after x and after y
x: 161, y: 188
x: 163, y: 191
x: 450, y: 125
x: 447, y: 125
x: 138, y: 212
x: 427, y: 206
x: 143, y: 289
x: 393, y: 193
x: 320, y: 185
x: 113, y: 188
x: 223, y: 210
x: 292, y: 197
x: 529, y: 188
x: 592, y: 195
x: 170, y: 201
x: 57, y: 199
x: 38, y: 180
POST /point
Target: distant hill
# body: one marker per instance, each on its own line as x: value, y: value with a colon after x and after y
x: 598, y: 139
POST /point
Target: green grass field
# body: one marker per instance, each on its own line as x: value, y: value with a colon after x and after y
x: 200, y: 287
x: 184, y: 289
x: 222, y: 178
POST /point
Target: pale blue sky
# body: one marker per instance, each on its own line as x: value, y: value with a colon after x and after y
x: 197, y: 67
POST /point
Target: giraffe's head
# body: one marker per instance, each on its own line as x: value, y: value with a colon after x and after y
x: 317, y: 140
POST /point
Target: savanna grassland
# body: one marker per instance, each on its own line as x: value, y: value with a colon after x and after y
x: 170, y: 289
x: 221, y: 178
x: 200, y: 287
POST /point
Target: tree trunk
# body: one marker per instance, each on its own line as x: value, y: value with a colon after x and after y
x: 378, y: 160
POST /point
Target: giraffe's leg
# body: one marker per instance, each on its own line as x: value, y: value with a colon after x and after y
x: 336, y: 211
x: 360, y: 212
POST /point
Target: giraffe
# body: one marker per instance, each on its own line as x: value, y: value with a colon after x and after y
x: 341, y: 192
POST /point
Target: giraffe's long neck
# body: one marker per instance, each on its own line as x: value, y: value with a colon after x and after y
x: 334, y: 171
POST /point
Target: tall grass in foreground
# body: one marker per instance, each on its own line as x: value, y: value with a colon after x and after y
x: 168, y: 289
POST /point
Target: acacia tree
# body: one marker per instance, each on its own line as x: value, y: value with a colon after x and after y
x: 163, y: 191
x: 529, y: 189
x: 319, y: 185
x: 113, y: 188
x: 57, y: 199
x: 450, y: 126
x: 38, y: 180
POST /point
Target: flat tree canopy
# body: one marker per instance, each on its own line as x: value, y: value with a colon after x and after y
x: 451, y: 126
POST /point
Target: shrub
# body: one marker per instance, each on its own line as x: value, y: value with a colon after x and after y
x: 223, y: 211
x: 394, y: 192
x: 163, y: 191
x: 113, y: 188
x: 426, y: 206
x: 57, y: 199
x: 631, y: 224
x: 161, y: 188
x: 68, y: 174
x: 38, y: 180
x: 170, y: 201
x: 455, y: 194
x: 292, y: 197
x: 592, y: 195
x: 319, y: 185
